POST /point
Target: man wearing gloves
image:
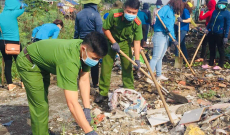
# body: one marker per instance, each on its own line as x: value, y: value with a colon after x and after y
x: 68, y: 59
x: 122, y: 28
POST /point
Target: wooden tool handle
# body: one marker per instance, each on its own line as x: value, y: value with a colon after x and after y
x: 2, y: 72
x: 177, y: 46
x: 154, y: 80
x: 197, y: 49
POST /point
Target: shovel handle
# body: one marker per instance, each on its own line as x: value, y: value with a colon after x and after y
x: 197, y: 49
x: 2, y: 72
x: 179, y: 35
x: 177, y: 46
x: 154, y: 80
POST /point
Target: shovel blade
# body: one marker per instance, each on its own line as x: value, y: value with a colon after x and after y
x: 178, y: 62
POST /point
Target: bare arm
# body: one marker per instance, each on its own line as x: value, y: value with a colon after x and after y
x: 109, y: 35
x: 187, y: 20
x: 76, y: 110
x: 137, y: 48
x: 84, y: 86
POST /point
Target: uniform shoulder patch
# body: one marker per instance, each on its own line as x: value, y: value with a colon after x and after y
x: 117, y: 14
x: 138, y: 22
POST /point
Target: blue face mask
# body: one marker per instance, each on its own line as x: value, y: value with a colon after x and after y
x: 158, y: 6
x: 130, y: 17
x: 88, y: 61
x: 221, y: 6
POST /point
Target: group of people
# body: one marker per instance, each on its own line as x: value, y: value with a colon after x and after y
x: 94, y: 39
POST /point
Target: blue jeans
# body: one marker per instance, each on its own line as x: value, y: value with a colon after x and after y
x: 160, y: 42
x: 182, y: 44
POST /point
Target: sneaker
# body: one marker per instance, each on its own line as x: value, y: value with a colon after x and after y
x: 161, y: 77
x: 206, y: 66
x: 217, y: 68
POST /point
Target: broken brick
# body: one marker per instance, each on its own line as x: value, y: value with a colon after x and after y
x: 222, y: 85
x: 203, y: 102
x: 99, y: 118
x: 182, y: 83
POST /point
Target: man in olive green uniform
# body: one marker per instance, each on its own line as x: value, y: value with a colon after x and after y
x: 64, y: 58
x: 122, y: 27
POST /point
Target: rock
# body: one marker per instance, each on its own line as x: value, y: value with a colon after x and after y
x: 222, y: 85
x: 59, y: 119
x: 217, y: 73
x: 96, y: 111
x: 203, y: 102
x: 158, y: 104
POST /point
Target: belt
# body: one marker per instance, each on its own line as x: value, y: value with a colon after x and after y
x: 27, y: 55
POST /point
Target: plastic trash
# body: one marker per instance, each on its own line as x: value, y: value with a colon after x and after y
x: 8, y: 123
x: 193, y: 130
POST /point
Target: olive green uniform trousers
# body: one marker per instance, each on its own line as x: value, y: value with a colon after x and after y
x: 36, y: 83
x: 107, y: 65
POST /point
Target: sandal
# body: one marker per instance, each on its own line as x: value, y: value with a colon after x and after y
x: 199, y: 60
x: 217, y: 68
x: 206, y: 66
x: 12, y: 88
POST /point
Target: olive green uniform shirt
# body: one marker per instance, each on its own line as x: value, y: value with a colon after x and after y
x: 121, y: 29
x: 60, y: 57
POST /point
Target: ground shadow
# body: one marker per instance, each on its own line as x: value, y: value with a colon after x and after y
x: 20, y: 117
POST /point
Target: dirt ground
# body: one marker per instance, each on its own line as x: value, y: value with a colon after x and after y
x: 14, y: 106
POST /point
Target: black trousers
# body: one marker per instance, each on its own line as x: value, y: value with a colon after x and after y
x: 144, y: 32
x: 95, y: 74
x: 216, y: 41
x: 204, y: 46
x: 8, y: 60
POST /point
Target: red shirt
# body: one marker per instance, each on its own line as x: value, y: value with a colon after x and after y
x: 211, y: 7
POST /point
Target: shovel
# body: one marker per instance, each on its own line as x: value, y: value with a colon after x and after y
x: 178, y: 60
x: 175, y: 97
x: 2, y: 72
x: 155, y: 81
x: 197, y: 50
x: 177, y: 46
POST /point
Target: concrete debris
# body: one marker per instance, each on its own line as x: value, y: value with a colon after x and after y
x: 192, y: 116
x: 158, y: 119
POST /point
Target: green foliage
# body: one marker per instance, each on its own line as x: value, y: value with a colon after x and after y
x: 36, y: 7
x: 92, y: 123
x: 208, y: 95
x: 227, y: 65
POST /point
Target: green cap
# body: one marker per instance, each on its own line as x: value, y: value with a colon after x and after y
x: 90, y: 1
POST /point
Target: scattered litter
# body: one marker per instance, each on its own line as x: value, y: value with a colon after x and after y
x: 128, y: 101
x: 220, y: 106
x: 222, y: 85
x: 212, y: 118
x: 193, y: 130
x: 60, y: 119
x: 192, y: 116
x: 96, y: 111
x: 158, y: 119
x: 140, y: 131
x: 8, y: 123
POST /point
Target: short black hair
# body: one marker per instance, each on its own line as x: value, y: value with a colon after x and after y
x: 135, y: 4
x: 97, y: 42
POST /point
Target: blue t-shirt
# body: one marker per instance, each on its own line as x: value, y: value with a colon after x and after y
x: 143, y: 17
x: 185, y: 15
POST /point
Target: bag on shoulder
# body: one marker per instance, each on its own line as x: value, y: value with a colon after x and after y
x: 10, y: 48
